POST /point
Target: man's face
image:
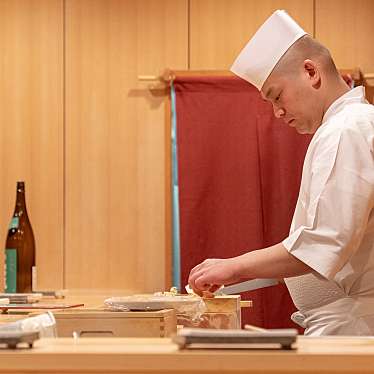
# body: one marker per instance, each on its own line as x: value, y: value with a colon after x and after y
x: 294, y: 101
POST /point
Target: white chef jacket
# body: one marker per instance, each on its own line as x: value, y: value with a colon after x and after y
x: 333, y: 225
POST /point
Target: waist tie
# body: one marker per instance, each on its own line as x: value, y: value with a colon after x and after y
x: 346, y: 316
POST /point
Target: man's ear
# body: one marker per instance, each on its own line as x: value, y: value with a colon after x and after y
x: 313, y: 73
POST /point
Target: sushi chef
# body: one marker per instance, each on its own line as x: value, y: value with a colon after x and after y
x: 327, y: 260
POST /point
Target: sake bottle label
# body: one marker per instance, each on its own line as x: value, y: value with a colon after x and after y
x: 14, y: 223
x: 10, y: 270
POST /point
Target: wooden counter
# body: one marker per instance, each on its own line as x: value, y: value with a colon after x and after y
x: 93, y: 320
x: 160, y: 355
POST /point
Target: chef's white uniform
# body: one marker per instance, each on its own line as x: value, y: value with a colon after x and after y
x: 333, y: 225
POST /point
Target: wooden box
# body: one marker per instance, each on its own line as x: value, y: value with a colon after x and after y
x: 88, y: 323
x: 223, y: 312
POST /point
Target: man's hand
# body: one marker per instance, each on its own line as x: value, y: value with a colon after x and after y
x: 211, y: 274
x: 271, y: 262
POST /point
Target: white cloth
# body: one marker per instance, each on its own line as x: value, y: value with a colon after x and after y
x: 333, y: 225
x: 271, y: 41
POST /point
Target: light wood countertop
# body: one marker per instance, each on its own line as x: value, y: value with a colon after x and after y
x: 160, y: 355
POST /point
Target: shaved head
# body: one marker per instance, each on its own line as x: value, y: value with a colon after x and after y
x: 303, y: 49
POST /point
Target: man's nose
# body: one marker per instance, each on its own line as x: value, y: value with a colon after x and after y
x: 279, y: 112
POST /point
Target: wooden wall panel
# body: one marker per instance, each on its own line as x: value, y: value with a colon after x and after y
x: 31, y: 132
x: 219, y: 29
x: 346, y: 27
x: 115, y: 140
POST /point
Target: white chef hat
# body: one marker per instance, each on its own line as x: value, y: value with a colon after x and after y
x: 258, y: 58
